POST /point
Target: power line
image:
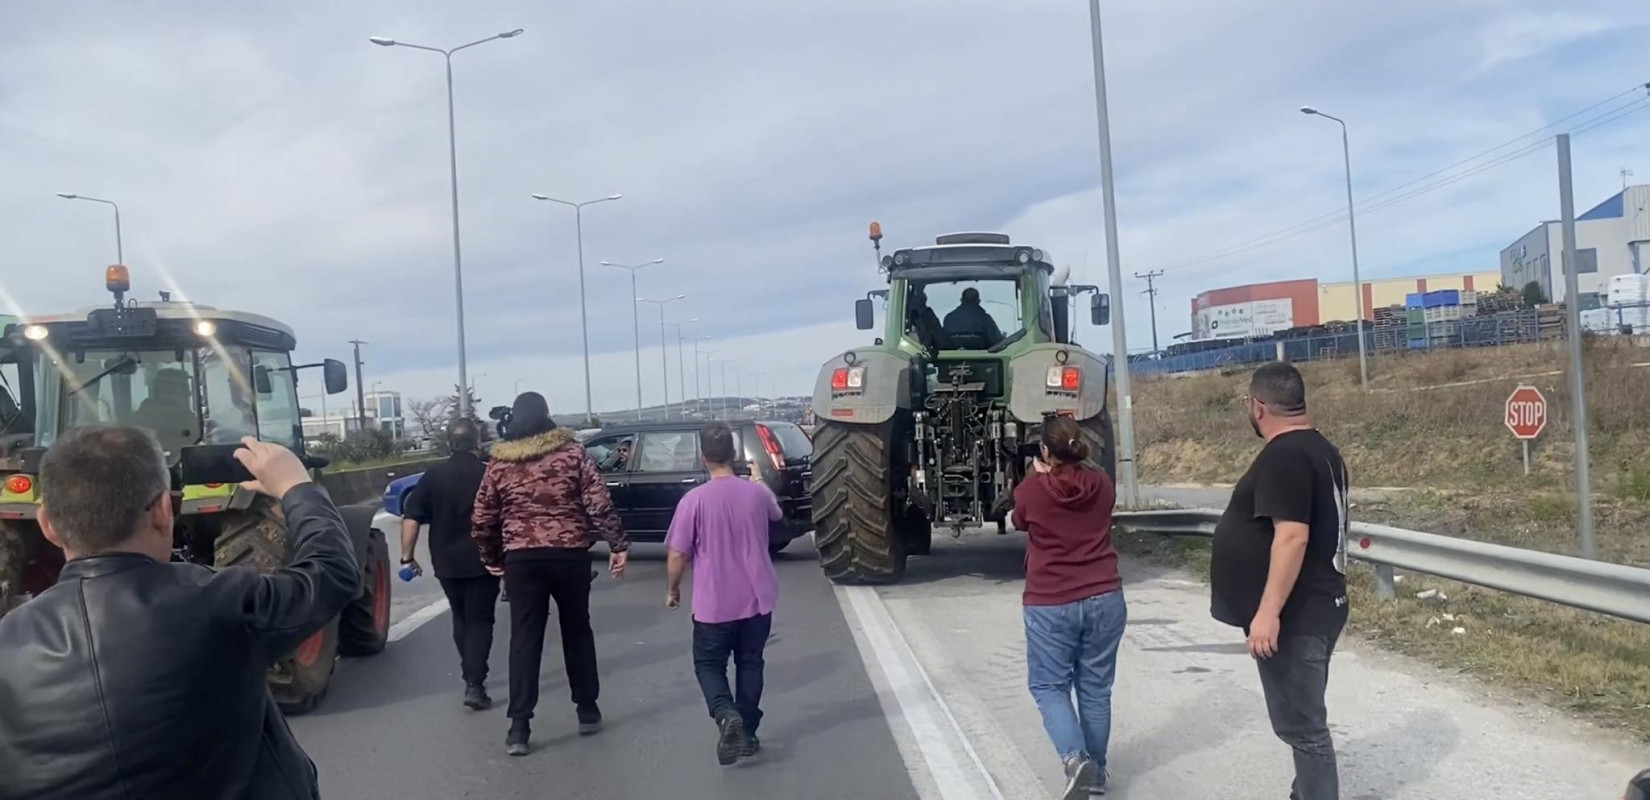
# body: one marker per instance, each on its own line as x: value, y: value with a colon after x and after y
x: 1334, y: 218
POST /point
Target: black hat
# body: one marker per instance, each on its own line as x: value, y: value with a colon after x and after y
x: 529, y: 416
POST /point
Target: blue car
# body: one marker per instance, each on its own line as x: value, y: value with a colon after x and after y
x: 396, y: 493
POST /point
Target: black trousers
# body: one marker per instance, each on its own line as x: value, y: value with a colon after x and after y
x: 1294, y: 681
x: 532, y: 585
x: 473, y: 601
x: 744, y: 640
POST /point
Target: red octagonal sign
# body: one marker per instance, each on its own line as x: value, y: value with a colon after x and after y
x: 1526, y: 412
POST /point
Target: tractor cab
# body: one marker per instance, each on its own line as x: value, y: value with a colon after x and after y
x: 192, y: 374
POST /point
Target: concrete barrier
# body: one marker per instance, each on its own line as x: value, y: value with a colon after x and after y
x: 361, y: 485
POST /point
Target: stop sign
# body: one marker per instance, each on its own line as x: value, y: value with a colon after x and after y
x: 1526, y: 412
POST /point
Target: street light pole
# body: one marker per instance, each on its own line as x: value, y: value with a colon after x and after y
x: 1352, y: 227
x: 1119, y: 330
x: 584, y: 317
x: 708, y: 354
x: 664, y: 362
x: 452, y: 157
x: 120, y: 249
x: 681, y: 366
x: 635, y: 323
x: 1578, y: 383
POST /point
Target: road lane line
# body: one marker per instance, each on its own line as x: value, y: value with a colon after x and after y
x: 416, y: 620
x: 926, y: 712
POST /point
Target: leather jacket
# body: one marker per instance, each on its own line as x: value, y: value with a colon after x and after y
x: 131, y: 679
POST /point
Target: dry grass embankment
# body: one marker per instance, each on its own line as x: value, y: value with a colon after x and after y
x: 1451, y: 440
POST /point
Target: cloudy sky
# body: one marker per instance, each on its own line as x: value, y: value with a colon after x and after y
x: 267, y: 157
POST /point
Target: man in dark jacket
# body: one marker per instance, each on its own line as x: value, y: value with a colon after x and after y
x: 444, y: 499
x: 134, y: 678
x: 970, y: 320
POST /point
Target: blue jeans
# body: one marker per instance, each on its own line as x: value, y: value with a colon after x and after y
x: 1069, y: 647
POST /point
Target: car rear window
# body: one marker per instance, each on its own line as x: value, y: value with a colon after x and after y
x: 792, y: 440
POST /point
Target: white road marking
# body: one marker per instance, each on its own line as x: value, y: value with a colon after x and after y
x: 957, y: 775
x: 416, y: 620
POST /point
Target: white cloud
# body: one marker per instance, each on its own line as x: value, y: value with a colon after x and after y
x: 1530, y: 34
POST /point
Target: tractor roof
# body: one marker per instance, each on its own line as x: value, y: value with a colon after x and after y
x: 953, y: 254
x: 171, y: 310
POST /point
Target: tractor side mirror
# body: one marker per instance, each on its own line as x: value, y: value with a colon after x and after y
x: 260, y: 380
x: 864, y: 314
x: 335, y: 375
x: 1100, y: 309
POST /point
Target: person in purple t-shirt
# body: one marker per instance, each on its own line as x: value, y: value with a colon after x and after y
x: 722, y: 529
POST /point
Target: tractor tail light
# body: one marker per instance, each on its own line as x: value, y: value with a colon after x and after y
x: 844, y: 378
x: 19, y: 484
x: 1071, y: 378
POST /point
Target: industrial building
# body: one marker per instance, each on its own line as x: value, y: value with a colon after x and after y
x: 1261, y: 309
x: 1613, y: 238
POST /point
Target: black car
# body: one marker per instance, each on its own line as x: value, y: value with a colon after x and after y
x: 650, y: 466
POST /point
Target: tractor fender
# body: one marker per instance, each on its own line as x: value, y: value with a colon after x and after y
x: 884, y: 390
x: 1031, y: 398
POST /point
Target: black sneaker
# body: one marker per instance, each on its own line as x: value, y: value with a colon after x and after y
x: 1097, y: 788
x: 730, y: 739
x: 1081, y: 773
x: 753, y: 746
x: 590, y: 720
x: 516, y: 742
x: 475, y: 697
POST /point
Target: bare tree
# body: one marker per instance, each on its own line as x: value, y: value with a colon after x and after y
x: 431, y: 415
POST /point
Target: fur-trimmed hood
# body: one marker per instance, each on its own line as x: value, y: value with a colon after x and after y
x: 534, y: 448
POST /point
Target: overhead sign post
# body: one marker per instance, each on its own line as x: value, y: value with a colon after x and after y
x: 1526, y: 417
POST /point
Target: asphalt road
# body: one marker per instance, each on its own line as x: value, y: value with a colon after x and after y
x: 392, y: 726
x: 917, y: 692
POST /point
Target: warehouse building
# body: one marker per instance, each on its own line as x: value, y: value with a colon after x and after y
x: 1613, y: 238
x: 1261, y: 309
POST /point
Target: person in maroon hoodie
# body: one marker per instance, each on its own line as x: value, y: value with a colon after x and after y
x: 1074, y: 608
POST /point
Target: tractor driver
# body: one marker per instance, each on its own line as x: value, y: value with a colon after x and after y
x: 924, y: 322
x: 969, y: 323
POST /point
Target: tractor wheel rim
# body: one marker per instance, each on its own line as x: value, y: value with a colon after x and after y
x: 310, y: 651
x: 381, y: 600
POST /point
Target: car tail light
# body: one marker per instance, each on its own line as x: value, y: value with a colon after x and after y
x: 770, y: 444
x: 19, y: 484
x: 1066, y: 378
x: 848, y: 378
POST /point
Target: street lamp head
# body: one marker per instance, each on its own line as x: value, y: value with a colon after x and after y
x: 547, y: 197
x: 1308, y: 110
x: 382, y: 41
x: 657, y: 261
x: 614, y: 196
x: 510, y: 34
x: 68, y: 195
x: 679, y: 297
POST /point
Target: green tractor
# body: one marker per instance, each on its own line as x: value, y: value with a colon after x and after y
x: 937, y: 422
x: 200, y: 379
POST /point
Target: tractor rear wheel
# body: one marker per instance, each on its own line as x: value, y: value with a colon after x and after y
x: 853, y: 501
x: 257, y: 538
x: 1097, y: 434
x: 364, y: 627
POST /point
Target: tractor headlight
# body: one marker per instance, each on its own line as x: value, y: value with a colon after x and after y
x: 206, y: 328
x: 35, y: 333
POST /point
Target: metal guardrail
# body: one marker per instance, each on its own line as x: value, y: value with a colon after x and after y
x: 1613, y: 589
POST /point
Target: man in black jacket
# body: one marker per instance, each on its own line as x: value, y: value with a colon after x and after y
x: 969, y: 320
x: 443, y: 500
x: 134, y: 678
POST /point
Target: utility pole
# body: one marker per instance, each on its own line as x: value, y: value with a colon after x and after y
x: 1625, y: 174
x: 360, y: 389
x: 1572, y: 315
x: 1128, y: 483
x: 1151, y: 294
